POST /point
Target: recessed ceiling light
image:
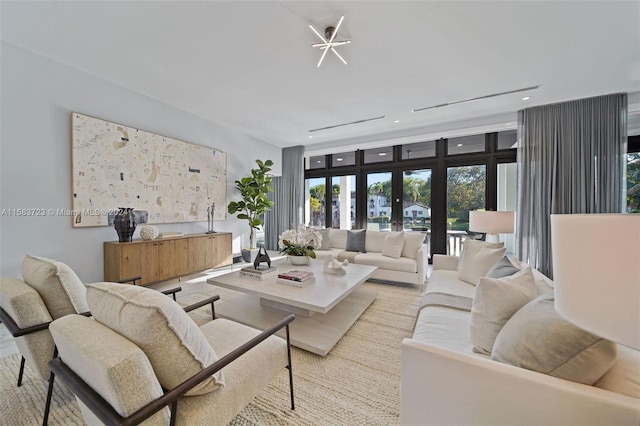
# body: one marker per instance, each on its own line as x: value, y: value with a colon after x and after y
x: 382, y: 154
x: 338, y: 159
x: 508, y: 124
x: 397, y: 121
x: 526, y: 98
x: 319, y: 161
x: 459, y: 144
x: 310, y: 137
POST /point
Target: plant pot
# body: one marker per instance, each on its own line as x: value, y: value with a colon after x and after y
x: 249, y: 255
x: 299, y: 260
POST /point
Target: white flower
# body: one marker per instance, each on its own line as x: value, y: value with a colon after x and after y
x: 303, y: 236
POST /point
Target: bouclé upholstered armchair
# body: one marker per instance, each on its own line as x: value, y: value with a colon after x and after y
x: 48, y: 290
x: 142, y: 359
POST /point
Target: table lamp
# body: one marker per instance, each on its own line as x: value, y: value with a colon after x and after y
x: 491, y: 223
x: 596, y: 272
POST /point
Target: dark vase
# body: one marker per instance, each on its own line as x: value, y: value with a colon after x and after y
x: 125, y: 224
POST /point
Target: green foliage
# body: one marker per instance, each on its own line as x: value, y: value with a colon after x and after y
x: 633, y: 182
x: 465, y: 191
x: 254, y: 203
x: 297, y: 249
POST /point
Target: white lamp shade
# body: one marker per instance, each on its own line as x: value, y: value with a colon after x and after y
x: 596, y: 272
x: 491, y: 222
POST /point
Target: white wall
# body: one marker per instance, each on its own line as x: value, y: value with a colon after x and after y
x: 38, y: 96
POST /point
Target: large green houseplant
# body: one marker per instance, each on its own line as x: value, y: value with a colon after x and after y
x: 254, y: 203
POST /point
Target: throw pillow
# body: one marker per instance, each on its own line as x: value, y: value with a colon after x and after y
x: 472, y: 247
x: 325, y: 244
x: 356, y: 240
x: 494, y: 302
x: 502, y: 269
x: 60, y: 288
x: 174, y: 344
x: 538, y: 338
x: 472, y: 268
x: 393, y: 244
x: 412, y: 243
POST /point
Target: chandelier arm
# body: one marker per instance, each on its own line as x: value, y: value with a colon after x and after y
x: 335, y: 32
x: 322, y: 57
x: 318, y: 34
x: 338, y: 55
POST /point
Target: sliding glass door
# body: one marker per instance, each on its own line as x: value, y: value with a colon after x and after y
x: 466, y: 188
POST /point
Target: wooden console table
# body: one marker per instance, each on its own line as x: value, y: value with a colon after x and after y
x: 166, y: 258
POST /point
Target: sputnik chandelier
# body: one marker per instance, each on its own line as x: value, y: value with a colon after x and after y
x: 329, y: 42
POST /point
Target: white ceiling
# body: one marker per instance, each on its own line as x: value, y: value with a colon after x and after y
x: 250, y: 65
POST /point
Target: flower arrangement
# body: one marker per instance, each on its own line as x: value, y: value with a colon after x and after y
x: 299, y: 242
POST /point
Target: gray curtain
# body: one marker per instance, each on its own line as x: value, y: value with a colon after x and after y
x: 570, y: 160
x: 287, y: 196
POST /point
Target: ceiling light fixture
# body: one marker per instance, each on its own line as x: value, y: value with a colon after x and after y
x: 382, y: 154
x: 329, y: 43
x: 397, y: 121
x: 478, y: 98
x: 338, y: 159
x: 526, y: 98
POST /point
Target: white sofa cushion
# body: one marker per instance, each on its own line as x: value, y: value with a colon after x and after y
x: 375, y: 241
x: 174, y: 344
x: 624, y: 376
x: 446, y: 281
x: 494, y: 303
x: 445, y: 328
x: 393, y: 244
x: 539, y: 339
x: 412, y: 243
x: 473, y: 267
x: 325, y: 243
x: 402, y: 264
x: 338, y: 238
x: 60, y: 288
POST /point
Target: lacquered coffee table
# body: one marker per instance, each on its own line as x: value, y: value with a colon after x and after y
x: 324, y: 310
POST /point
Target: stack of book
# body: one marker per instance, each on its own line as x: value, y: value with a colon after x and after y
x: 258, y: 274
x: 296, y: 278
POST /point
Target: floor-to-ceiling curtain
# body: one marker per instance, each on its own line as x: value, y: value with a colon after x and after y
x: 570, y: 160
x: 287, y: 197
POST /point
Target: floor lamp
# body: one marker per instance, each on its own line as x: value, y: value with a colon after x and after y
x: 491, y: 223
x: 596, y: 272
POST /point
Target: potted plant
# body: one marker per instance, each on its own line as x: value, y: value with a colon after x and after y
x: 254, y: 203
x: 299, y: 244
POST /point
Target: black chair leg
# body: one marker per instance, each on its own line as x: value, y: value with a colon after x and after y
x: 47, y: 406
x: 21, y: 372
x: 290, y: 368
x: 52, y: 376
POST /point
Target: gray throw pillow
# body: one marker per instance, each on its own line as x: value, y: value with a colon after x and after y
x: 502, y: 269
x: 356, y: 240
x: 538, y: 338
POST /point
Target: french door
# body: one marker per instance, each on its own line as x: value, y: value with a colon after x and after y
x: 399, y: 199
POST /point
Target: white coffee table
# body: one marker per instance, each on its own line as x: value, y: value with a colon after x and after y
x: 324, y: 310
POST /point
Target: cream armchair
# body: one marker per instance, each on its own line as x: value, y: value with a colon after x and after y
x: 48, y: 290
x: 143, y: 359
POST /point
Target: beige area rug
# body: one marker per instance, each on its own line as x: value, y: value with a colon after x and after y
x: 358, y: 383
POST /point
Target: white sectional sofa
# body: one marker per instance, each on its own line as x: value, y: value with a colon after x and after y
x: 444, y: 382
x: 407, y: 263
